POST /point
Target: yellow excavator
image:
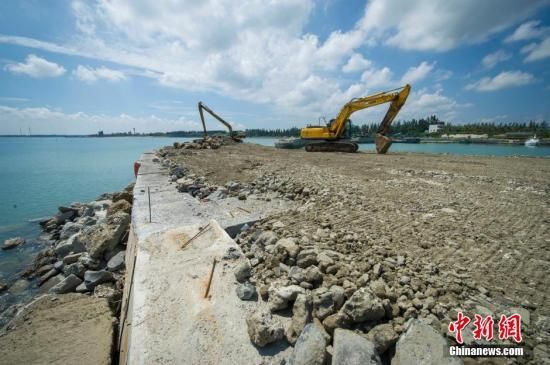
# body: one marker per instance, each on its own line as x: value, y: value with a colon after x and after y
x: 332, y: 137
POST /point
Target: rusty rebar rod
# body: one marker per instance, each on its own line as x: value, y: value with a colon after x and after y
x: 210, y: 278
x: 201, y: 231
x: 149, y: 197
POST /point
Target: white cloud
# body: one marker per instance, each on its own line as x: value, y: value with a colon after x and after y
x: 440, y: 25
x: 261, y: 53
x: 378, y: 77
x: 47, y: 120
x: 527, y: 30
x: 537, y: 51
x: 492, y: 59
x: 90, y: 74
x: 417, y: 73
x: 356, y: 63
x: 423, y: 103
x: 37, y: 67
x: 503, y: 80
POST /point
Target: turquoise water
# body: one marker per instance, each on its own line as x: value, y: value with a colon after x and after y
x: 449, y: 148
x: 39, y: 174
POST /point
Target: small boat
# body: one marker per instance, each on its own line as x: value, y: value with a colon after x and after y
x: 532, y: 142
x: 290, y: 143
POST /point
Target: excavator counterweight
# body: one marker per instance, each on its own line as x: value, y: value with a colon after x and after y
x: 331, y: 138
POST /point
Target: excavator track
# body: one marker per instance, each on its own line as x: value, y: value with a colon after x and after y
x: 348, y: 147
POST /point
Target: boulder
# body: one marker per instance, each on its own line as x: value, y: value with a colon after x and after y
x: 105, y: 236
x: 351, y: 348
x: 120, y: 206
x: 82, y: 288
x: 67, y: 285
x: 323, y: 303
x: 280, y: 298
x: 263, y: 329
x: 246, y: 291
x: 3, y: 286
x: 12, y: 243
x: 61, y: 218
x: 88, y: 262
x: 243, y: 271
x: 123, y: 195
x: 289, y: 245
x: 71, y: 259
x: 50, y: 283
x: 301, y: 315
x: 336, y: 320
x: 86, y: 211
x: 117, y: 261
x: 310, y: 348
x: 47, y: 276
x: 86, y: 221
x: 383, y: 336
x: 70, y: 229
x: 266, y: 238
x: 306, y: 258
x: 363, y: 305
x: 58, y: 265
x: 421, y: 344
x: 72, y: 245
x: 94, y: 278
x: 76, y: 268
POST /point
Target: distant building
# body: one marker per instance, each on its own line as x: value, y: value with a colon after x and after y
x: 435, y: 128
x: 100, y: 133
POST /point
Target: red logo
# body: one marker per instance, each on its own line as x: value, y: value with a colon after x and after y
x: 508, y: 327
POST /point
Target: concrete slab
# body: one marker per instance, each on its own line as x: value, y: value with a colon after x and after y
x: 165, y: 317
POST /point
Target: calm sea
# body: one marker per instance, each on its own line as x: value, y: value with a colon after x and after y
x: 39, y: 174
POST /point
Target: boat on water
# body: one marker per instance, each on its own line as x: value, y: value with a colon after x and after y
x: 532, y: 142
x: 290, y: 143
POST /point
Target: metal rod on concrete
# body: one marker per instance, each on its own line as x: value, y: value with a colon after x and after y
x: 210, y: 278
x: 149, y: 197
x: 201, y: 231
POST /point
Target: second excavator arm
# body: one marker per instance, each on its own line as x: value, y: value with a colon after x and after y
x: 234, y: 135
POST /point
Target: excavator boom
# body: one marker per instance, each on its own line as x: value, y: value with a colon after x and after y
x: 234, y: 135
x: 335, y: 130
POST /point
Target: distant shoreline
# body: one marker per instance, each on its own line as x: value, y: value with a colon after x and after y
x: 488, y: 141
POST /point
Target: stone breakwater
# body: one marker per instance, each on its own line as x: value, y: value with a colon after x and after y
x: 357, y: 268
x: 85, y: 254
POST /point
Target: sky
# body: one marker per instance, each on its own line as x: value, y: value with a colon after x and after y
x: 77, y: 67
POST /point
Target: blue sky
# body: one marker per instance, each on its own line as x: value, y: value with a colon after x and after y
x: 77, y: 67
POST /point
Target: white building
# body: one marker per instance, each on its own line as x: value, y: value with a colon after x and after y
x: 435, y: 128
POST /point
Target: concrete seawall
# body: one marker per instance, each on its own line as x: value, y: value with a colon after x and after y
x: 166, y: 318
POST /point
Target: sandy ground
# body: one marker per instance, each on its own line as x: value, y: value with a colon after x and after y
x: 65, y: 329
x: 480, y: 225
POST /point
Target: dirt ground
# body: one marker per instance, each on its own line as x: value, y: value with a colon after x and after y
x: 64, y: 329
x: 474, y: 228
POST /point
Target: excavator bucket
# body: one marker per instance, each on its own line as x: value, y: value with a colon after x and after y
x: 383, y: 143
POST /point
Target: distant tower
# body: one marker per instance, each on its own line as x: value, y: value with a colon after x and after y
x: 134, y: 131
x: 29, y: 131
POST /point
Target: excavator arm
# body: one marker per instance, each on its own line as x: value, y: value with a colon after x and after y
x: 335, y: 130
x: 234, y: 135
